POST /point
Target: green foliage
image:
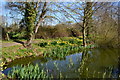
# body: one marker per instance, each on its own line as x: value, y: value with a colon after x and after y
x: 79, y: 42
x: 54, y: 43
x: 72, y: 41
x: 25, y: 50
x: 43, y: 44
x: 13, y: 52
x: 58, y: 45
x: 30, y: 17
x: 61, y: 52
x: 57, y: 31
x: 27, y: 72
x: 61, y: 44
x: 17, y: 35
x: 105, y: 34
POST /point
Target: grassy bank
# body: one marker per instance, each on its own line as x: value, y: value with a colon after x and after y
x: 43, y: 46
x: 54, y: 48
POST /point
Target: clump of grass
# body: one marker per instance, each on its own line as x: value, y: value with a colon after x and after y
x: 43, y: 44
x: 32, y: 72
x: 61, y: 44
x: 27, y: 72
x: 54, y: 43
x: 61, y: 52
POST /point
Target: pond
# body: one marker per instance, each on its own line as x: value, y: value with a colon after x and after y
x: 97, y: 63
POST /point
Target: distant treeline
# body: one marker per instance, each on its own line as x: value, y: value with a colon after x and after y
x: 58, y: 31
x: 44, y: 32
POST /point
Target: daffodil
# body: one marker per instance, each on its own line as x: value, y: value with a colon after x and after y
x: 58, y: 42
x: 80, y: 36
x: 3, y: 75
x: 81, y: 40
x: 48, y: 43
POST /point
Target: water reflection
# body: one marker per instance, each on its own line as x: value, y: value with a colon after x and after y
x: 116, y: 71
x: 101, y: 63
x: 95, y: 63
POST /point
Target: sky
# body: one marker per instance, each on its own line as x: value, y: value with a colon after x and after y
x: 6, y: 12
x: 2, y: 4
x: 10, y: 20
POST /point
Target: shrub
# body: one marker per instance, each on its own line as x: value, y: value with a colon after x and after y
x: 59, y: 30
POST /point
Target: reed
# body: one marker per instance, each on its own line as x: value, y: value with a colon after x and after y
x: 61, y: 52
x: 27, y: 72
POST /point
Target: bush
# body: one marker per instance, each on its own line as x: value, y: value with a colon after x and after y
x: 45, y: 32
x: 59, y: 30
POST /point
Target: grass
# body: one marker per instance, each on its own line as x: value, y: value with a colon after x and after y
x: 58, y: 47
x: 61, y: 52
x: 27, y: 72
x: 54, y: 48
x: 31, y: 72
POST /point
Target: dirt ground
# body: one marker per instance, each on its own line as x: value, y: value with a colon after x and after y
x: 8, y: 44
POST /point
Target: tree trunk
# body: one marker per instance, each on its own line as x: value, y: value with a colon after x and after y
x: 84, y: 28
x: 89, y: 13
x: 30, y: 17
x: 7, y: 37
x: 31, y: 27
x: 87, y: 20
x: 41, y: 17
x: 84, y: 35
x: 29, y: 42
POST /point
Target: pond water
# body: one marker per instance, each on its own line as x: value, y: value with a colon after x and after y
x: 97, y: 63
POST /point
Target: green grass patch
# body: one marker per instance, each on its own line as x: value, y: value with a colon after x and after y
x: 59, y: 47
